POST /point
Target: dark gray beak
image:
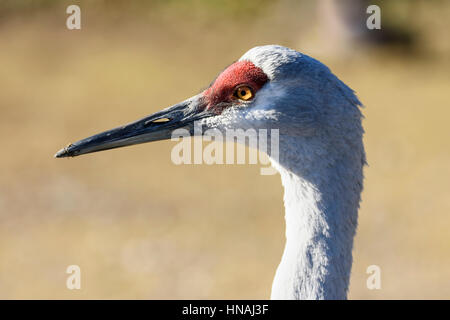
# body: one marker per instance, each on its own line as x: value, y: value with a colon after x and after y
x: 158, y: 126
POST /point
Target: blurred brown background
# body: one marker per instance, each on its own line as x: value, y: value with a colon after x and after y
x: 140, y: 226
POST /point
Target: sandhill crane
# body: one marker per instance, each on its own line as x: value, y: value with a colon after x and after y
x: 321, y: 156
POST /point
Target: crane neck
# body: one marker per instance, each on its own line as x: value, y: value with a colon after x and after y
x: 322, y: 188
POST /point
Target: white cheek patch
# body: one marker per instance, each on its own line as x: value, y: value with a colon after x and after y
x: 266, y: 103
x: 262, y: 110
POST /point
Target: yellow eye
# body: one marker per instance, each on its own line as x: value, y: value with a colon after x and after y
x: 244, y: 93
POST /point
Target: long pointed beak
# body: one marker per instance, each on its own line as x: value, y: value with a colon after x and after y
x: 158, y: 126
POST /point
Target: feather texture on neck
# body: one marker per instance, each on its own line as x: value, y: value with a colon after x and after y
x: 322, y: 183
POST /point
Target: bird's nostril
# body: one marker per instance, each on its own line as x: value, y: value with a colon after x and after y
x: 157, y: 121
x: 161, y: 120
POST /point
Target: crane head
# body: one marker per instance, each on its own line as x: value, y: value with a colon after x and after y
x: 269, y: 87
